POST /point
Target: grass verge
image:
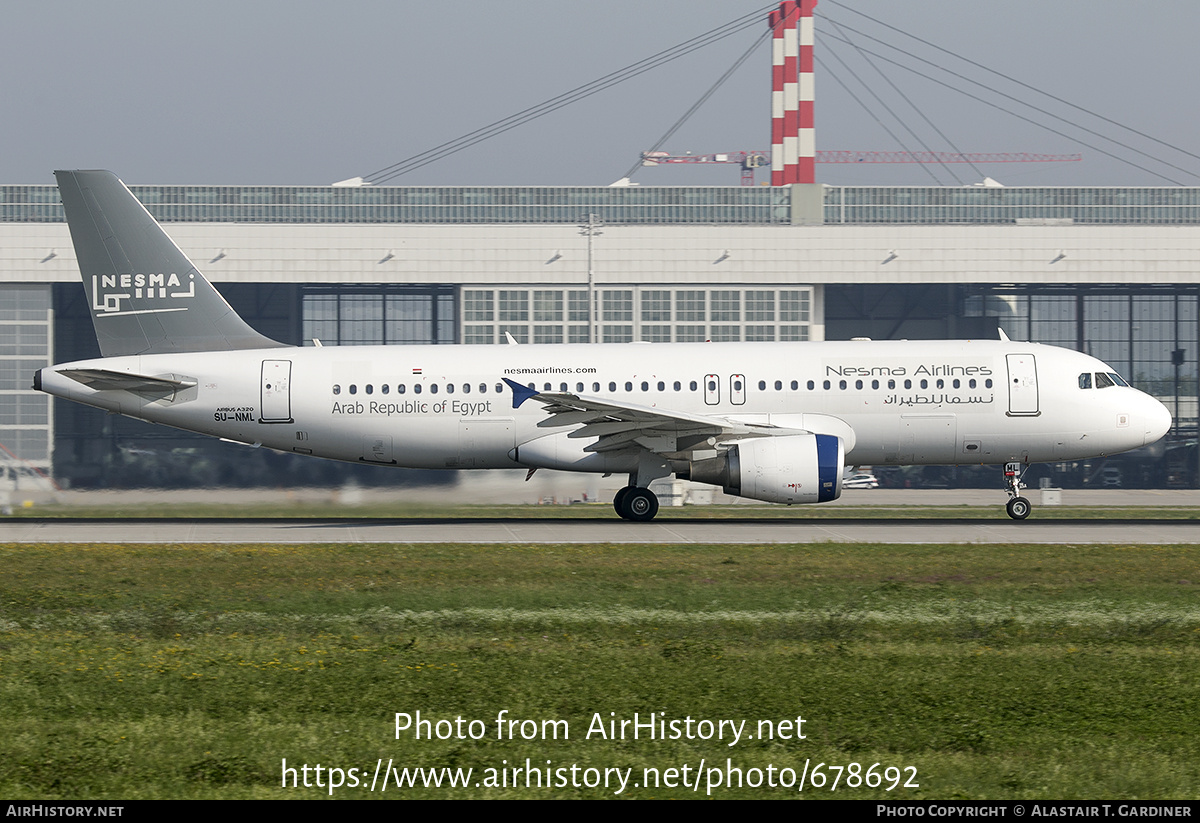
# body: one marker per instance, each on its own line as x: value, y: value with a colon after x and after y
x: 974, y: 671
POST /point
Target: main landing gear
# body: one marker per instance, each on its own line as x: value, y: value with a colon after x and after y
x: 1018, y: 507
x: 635, y: 503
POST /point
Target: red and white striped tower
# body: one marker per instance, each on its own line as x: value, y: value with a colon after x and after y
x: 793, y: 137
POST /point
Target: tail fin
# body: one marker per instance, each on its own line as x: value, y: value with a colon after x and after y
x: 146, y: 295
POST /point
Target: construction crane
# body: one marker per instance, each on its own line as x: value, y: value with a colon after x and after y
x: 751, y: 160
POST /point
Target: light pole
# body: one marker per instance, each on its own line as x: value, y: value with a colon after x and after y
x: 591, y: 229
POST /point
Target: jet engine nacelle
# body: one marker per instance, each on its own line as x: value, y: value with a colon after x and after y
x: 798, y: 468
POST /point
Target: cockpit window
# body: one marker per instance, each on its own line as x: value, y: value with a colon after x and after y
x: 1103, y: 381
x: 1085, y: 380
x: 1118, y: 379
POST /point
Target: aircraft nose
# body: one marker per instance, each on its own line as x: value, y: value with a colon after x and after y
x: 1158, y: 421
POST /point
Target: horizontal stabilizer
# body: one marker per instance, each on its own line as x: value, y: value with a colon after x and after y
x: 106, y: 380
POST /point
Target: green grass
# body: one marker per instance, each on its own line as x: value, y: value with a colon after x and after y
x: 997, y: 672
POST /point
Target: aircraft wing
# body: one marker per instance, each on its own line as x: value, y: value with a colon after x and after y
x: 616, y: 425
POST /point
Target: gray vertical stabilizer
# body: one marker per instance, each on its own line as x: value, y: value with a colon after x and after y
x: 146, y: 296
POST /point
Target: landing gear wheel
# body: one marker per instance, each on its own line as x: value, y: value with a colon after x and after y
x: 1018, y: 508
x: 640, y: 505
x: 619, y: 501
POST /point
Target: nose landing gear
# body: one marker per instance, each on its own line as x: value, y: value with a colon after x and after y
x: 1018, y: 507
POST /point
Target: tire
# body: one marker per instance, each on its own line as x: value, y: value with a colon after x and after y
x: 619, y: 502
x: 641, y: 505
x: 1018, y: 508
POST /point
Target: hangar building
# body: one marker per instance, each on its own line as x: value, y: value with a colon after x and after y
x: 1110, y: 271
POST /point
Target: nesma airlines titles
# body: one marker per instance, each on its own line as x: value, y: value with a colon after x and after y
x: 777, y: 422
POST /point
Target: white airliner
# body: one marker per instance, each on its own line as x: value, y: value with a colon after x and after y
x: 777, y: 422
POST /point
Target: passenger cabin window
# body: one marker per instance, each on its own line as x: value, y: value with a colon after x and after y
x: 337, y: 389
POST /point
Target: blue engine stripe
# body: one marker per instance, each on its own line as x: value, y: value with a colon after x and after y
x: 828, y: 468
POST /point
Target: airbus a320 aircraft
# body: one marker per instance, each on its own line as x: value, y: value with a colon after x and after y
x: 776, y: 422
